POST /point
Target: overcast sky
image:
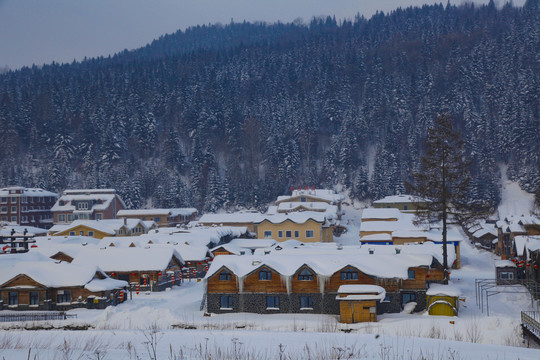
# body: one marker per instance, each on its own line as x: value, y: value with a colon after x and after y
x: 42, y: 31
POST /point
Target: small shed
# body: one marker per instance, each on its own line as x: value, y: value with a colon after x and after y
x: 506, y: 272
x: 442, y: 300
x: 358, y: 303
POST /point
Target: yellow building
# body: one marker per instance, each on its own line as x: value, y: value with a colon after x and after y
x: 302, y: 226
x: 103, y: 228
x: 442, y: 300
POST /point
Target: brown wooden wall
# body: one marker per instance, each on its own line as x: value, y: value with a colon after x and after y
x: 214, y: 285
x: 252, y: 284
x: 419, y: 281
x: 335, y: 280
x: 305, y: 286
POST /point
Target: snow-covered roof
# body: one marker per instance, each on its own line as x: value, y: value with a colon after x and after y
x: 58, y: 275
x: 446, y: 290
x: 34, y: 192
x: 528, y: 242
x: 323, y: 194
x: 7, y: 261
x: 377, y: 237
x: 361, y: 292
x: 400, y: 199
x: 107, y: 226
x: 381, y: 214
x: 287, y: 264
x: 129, y: 259
x: 105, y: 195
x: 19, y: 230
x: 161, y: 212
x: 198, y: 235
x: 484, y: 231
x: 253, y: 243
x: 296, y: 217
x: 233, y: 218
x: 504, y: 263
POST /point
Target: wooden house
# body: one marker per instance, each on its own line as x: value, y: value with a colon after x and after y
x: 311, y: 283
x: 87, y: 204
x: 358, y: 303
x: 246, y: 219
x: 506, y: 272
x: 52, y: 286
x: 104, y: 228
x: 153, y: 268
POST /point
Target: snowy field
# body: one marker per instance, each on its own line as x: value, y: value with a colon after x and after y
x: 172, y: 324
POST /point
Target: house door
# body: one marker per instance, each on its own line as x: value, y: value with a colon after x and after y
x: 407, y: 298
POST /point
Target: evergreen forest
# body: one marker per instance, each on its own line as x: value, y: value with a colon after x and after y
x: 231, y: 116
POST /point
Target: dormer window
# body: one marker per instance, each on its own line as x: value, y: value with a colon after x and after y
x: 82, y: 206
x: 305, y: 275
x: 265, y: 275
x: 61, y: 202
x: 225, y: 275
x: 349, y: 275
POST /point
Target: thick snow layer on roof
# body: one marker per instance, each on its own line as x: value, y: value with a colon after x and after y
x: 253, y: 243
x: 400, y: 199
x: 34, y: 192
x: 528, y: 242
x: 106, y: 195
x: 234, y: 218
x: 108, y: 226
x: 428, y: 248
x: 97, y: 285
x: 60, y: 241
x: 183, y: 211
x: 360, y: 289
x: 504, y: 263
x: 161, y: 212
x: 9, y: 260
x: 54, y: 275
x: 439, y: 289
x: 296, y: 217
x: 451, y: 235
x: 484, y: 231
x: 377, y: 237
x: 380, y: 265
x: 381, y: 214
x: 197, y: 235
x: 313, y: 206
x: 128, y: 259
x: 19, y: 230
x: 325, y: 194
x: 410, y: 234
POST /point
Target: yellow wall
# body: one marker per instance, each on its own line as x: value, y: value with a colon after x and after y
x: 319, y: 234
x: 366, y: 233
x: 85, y: 229
x: 251, y: 227
x: 441, y: 308
x: 309, y: 198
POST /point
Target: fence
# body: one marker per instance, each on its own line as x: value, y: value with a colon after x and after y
x: 35, y: 316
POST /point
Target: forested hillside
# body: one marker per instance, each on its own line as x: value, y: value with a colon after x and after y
x: 230, y: 116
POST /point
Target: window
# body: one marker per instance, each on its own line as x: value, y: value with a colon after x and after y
x: 61, y: 218
x: 99, y: 216
x: 13, y: 298
x: 4, y: 209
x: 296, y: 234
x: 404, y: 207
x: 267, y: 234
x: 82, y: 206
x: 226, y: 302
x: 90, y: 233
x: 81, y: 233
x: 225, y: 275
x: 306, y: 302
x: 305, y: 275
x: 13, y: 219
x: 288, y: 234
x: 349, y: 275
x: 13, y: 200
x: 72, y: 233
x: 4, y: 218
x: 24, y: 218
x: 61, y: 202
x: 4, y: 200
x: 157, y: 219
x: 303, y: 199
x: 265, y: 275
x: 63, y: 296
x: 70, y: 217
x: 13, y: 209
x: 411, y: 274
x: 507, y: 275
x: 34, y: 298
x: 280, y: 234
x: 309, y: 233
x: 23, y: 200
x: 407, y: 298
x: 272, y: 302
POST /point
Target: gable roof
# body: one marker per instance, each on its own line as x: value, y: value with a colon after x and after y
x: 323, y: 194
x: 106, y: 195
x: 107, y: 226
x: 129, y: 259
x: 295, y: 217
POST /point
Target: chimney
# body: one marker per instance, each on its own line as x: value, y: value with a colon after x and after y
x: 371, y: 251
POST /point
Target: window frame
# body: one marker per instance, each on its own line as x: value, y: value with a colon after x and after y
x: 33, y: 298
x: 411, y: 274
x: 225, y: 275
x: 13, y: 298
x: 310, y: 234
x: 226, y: 300
x: 63, y: 297
x: 272, y: 302
x: 306, y: 300
x: 267, y: 234
x: 349, y: 274
x: 265, y: 275
x: 302, y: 276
